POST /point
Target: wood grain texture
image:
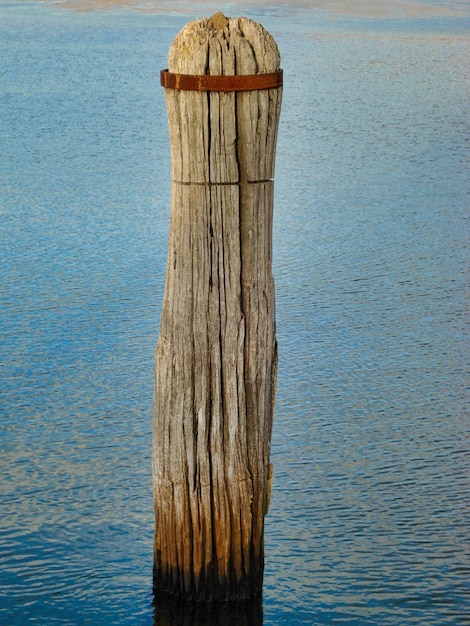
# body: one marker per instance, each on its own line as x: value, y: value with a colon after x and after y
x: 216, y: 356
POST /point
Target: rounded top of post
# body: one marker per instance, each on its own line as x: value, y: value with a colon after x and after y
x: 221, y: 46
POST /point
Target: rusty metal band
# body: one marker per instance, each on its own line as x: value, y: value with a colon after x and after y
x: 251, y: 82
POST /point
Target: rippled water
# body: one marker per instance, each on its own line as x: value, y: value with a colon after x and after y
x: 369, y: 516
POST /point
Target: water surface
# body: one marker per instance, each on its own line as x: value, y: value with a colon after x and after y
x: 369, y: 515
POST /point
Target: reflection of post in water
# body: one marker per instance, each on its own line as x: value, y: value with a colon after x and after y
x: 173, y: 612
x: 216, y: 358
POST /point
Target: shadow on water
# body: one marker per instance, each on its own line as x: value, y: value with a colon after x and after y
x: 174, y: 612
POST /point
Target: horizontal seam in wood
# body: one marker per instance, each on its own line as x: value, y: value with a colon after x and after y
x: 170, y: 483
x: 249, y: 182
x: 167, y: 482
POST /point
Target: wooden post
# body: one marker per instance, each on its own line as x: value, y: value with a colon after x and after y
x: 216, y: 357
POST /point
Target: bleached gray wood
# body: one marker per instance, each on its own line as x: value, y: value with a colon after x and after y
x: 216, y: 356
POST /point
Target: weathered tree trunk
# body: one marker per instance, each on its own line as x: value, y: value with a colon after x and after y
x: 216, y: 356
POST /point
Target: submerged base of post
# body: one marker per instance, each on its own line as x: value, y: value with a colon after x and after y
x: 169, y: 610
x: 209, y: 588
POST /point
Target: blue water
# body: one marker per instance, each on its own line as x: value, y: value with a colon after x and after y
x: 369, y: 515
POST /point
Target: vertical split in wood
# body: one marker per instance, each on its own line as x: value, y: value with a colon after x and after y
x: 216, y: 357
